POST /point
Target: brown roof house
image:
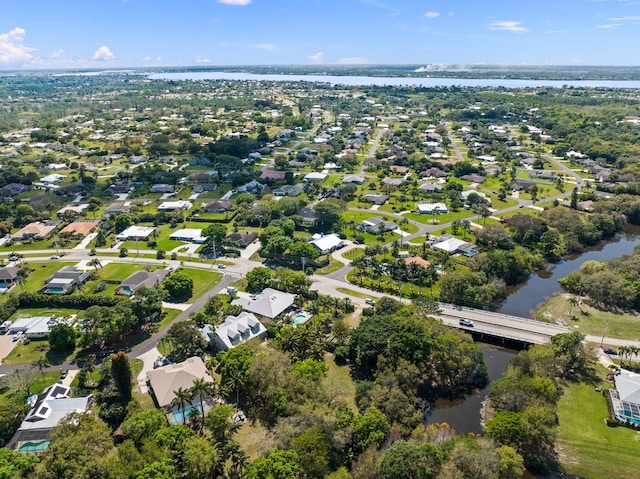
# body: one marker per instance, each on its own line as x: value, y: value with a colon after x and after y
x: 36, y: 230
x: 166, y: 380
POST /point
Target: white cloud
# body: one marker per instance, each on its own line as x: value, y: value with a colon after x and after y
x: 103, y: 54
x: 352, y: 61
x: 631, y: 18
x: 12, y: 50
x: 608, y: 26
x: 316, y: 57
x: 432, y: 14
x: 202, y: 60
x: 235, y: 2
x: 267, y: 47
x: 508, y: 25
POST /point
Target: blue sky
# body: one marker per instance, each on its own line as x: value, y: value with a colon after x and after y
x: 126, y: 33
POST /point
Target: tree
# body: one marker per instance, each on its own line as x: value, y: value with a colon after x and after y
x: 178, y: 285
x: 201, y: 459
x: 181, y: 399
x: 199, y: 389
x: 313, y: 449
x: 143, y: 424
x: 162, y: 469
x: 258, y: 279
x: 122, y: 222
x: 511, y: 463
x: 62, y: 337
x: 276, y: 464
x: 405, y: 460
x: 41, y: 364
x: 186, y: 340
x: 328, y: 214
x: 122, y: 377
x: 79, y: 447
x: 219, y: 421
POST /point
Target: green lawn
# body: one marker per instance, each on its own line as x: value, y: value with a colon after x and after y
x: 589, y: 320
x: 41, y: 271
x: 38, y: 386
x: 28, y: 353
x: 203, y: 280
x: 334, y: 265
x: 351, y: 292
x: 354, y: 253
x: 587, y: 446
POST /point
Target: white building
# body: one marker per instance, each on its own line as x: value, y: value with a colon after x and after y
x: 192, y: 235
x: 135, y: 233
x: 175, y: 205
x: 432, y: 208
x: 234, y: 331
x: 52, y: 179
x: 328, y: 243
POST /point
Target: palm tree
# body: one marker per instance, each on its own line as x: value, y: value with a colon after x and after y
x: 199, y: 388
x: 573, y: 301
x: 181, y: 399
x: 41, y: 364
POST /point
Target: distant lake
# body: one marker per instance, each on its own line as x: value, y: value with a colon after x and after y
x: 396, y: 81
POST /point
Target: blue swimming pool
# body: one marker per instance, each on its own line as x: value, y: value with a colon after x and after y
x: 176, y: 416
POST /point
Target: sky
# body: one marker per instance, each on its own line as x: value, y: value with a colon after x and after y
x: 37, y: 34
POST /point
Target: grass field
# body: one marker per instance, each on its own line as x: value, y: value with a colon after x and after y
x: 586, y: 445
x: 203, y: 280
x: 589, y: 320
x: 354, y: 293
x: 338, y: 384
x: 334, y: 265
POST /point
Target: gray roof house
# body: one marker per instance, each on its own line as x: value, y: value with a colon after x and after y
x: 165, y: 380
x: 137, y: 280
x: 64, y: 280
x: 270, y: 303
x: 289, y: 190
x: 46, y: 413
x: 372, y: 225
x: 376, y: 199
x: 8, y: 274
x: 234, y: 331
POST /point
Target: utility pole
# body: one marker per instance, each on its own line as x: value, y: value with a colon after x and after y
x: 606, y: 324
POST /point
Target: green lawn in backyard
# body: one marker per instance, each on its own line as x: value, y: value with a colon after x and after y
x: 586, y: 445
x: 354, y: 253
x: 334, y: 265
x: 28, y: 353
x: 48, y: 244
x: 41, y: 271
x: 440, y: 219
x: 338, y: 384
x: 203, y: 280
x: 589, y: 320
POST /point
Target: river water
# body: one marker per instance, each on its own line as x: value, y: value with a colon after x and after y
x: 396, y: 81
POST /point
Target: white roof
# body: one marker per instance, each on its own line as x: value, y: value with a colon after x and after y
x: 628, y: 386
x: 175, y: 205
x: 136, y: 232
x: 432, y: 207
x: 28, y: 324
x: 450, y: 245
x: 53, y: 407
x: 270, y: 303
x: 237, y: 329
x: 315, y: 176
x: 327, y: 242
x: 193, y: 234
x: 52, y: 178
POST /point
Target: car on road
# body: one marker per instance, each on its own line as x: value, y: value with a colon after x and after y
x: 370, y: 301
x: 64, y: 373
x: 55, y: 256
x: 221, y: 266
x: 466, y: 322
x: 610, y: 351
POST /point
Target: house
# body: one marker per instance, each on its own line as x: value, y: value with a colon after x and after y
x: 473, y: 178
x: 401, y: 170
x: 116, y: 208
x: 52, y: 179
x: 270, y: 303
x: 13, y: 189
x: 327, y: 243
x: 235, y: 330
x: 47, y: 410
x: 57, y: 166
x: 284, y: 135
x: 162, y: 188
x: 179, y: 205
x: 191, y: 235
x: 290, y: 190
x: 353, y: 179
x: 218, y: 206
x: 64, y: 281
x: 520, y: 185
x: 165, y: 380
x: 393, y: 181
x: 77, y: 209
x: 542, y: 174
x: 35, y: 327
x: 202, y: 187
x: 273, y: 175
x: 308, y: 216
x: 139, y: 279
x: 432, y: 208
x: 417, y: 260
x: 133, y: 233
x: 119, y: 190
x: 376, y: 199
x: 430, y: 187
x: 80, y: 229
x: 251, y: 187
x: 374, y: 225
x: 625, y: 398
x: 8, y: 275
x: 241, y: 240
x: 315, y: 177
x: 138, y: 159
x: 433, y: 172
x: 37, y: 230
x: 454, y: 245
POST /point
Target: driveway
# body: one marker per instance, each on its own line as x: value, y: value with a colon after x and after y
x: 6, y: 345
x: 148, y: 359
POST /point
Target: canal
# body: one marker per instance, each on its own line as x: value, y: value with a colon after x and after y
x: 463, y: 414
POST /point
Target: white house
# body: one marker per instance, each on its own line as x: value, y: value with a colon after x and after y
x: 52, y: 179
x: 193, y: 235
x: 234, y: 331
x: 432, y: 208
x: 316, y: 177
x: 328, y: 243
x: 175, y: 205
x: 270, y: 303
x: 135, y: 233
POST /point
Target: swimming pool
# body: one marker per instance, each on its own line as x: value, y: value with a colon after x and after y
x: 176, y: 416
x: 300, y: 318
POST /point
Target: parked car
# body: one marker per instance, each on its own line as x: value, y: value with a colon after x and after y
x: 64, y: 373
x: 13, y: 258
x: 610, y: 351
x: 466, y: 322
x: 370, y: 301
x: 16, y: 336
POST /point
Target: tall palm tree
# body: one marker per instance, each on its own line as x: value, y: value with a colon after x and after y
x: 182, y: 398
x: 573, y: 301
x: 41, y: 364
x: 199, y: 388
